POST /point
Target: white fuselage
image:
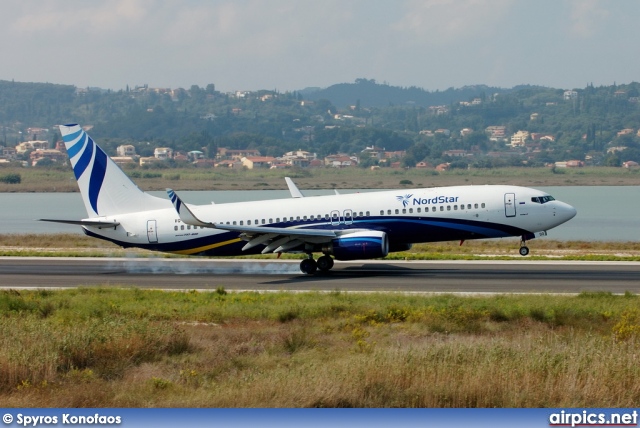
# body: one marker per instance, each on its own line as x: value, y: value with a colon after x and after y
x: 406, y: 216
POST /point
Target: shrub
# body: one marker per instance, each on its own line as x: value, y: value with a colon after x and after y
x: 11, y: 178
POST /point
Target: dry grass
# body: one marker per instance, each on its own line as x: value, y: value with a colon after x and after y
x: 81, y: 245
x: 134, y: 348
x: 54, y: 180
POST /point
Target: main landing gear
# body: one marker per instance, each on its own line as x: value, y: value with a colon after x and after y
x: 309, y: 266
x: 524, y: 250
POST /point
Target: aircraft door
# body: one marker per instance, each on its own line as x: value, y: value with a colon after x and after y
x: 348, y: 217
x: 152, y: 231
x: 510, y: 204
x: 335, y: 218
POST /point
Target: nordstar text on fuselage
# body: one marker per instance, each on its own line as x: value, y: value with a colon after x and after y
x: 435, y: 200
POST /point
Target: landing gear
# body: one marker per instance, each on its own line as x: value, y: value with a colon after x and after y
x: 309, y: 266
x: 325, y: 263
x: 524, y: 250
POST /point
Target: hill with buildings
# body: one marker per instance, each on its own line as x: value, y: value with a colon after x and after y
x: 363, y: 124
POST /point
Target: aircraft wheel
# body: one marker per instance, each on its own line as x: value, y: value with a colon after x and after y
x: 524, y: 250
x: 308, y: 266
x: 325, y: 263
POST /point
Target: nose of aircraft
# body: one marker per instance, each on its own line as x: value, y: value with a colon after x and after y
x: 565, y: 212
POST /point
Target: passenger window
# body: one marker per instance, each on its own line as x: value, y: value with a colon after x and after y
x: 482, y: 205
x: 469, y: 206
x: 360, y: 214
x: 419, y: 209
x: 263, y: 221
x: 404, y: 211
x: 441, y: 207
x: 182, y: 227
x: 248, y: 222
x: 298, y: 218
x: 241, y: 221
x: 381, y: 212
x: 304, y: 218
x: 448, y: 207
x: 433, y: 209
x: 410, y: 210
x: 397, y: 211
x: 175, y: 227
x: 270, y: 220
x: 389, y: 212
x: 277, y: 219
x: 234, y: 223
x: 368, y: 213
x: 475, y: 205
x: 455, y: 208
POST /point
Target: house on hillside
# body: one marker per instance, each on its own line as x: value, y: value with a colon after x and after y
x: 163, y: 153
x: 257, y: 162
x: 126, y: 150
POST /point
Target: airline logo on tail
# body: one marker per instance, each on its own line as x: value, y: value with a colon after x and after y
x: 82, y: 151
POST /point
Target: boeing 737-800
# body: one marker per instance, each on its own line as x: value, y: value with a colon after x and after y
x: 342, y: 226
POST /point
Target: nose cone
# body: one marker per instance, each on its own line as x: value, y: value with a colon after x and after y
x: 565, y: 212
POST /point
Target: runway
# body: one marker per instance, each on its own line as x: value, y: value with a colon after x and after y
x: 273, y: 275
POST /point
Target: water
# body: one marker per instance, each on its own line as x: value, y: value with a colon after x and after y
x: 605, y: 213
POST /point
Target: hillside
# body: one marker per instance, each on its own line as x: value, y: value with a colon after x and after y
x: 470, y: 126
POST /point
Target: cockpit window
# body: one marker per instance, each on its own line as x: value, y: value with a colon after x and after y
x: 542, y: 199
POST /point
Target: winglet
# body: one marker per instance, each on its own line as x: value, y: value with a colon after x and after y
x: 293, y: 189
x: 186, y: 215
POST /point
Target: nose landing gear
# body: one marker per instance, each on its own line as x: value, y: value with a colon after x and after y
x: 524, y: 250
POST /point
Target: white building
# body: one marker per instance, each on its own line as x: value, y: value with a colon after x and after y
x: 126, y: 150
x: 163, y: 153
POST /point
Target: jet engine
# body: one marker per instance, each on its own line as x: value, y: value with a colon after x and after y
x: 368, y: 244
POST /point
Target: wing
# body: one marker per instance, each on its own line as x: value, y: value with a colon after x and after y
x: 275, y: 239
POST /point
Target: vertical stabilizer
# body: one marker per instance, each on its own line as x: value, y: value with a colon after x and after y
x: 106, y: 190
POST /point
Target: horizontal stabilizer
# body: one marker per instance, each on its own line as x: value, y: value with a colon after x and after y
x: 91, y: 223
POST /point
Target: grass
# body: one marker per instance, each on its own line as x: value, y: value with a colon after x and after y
x: 76, y: 245
x: 111, y: 347
x: 58, y: 180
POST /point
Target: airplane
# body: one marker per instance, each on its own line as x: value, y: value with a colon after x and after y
x: 342, y: 226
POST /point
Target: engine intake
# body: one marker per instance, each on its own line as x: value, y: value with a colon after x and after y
x: 359, y: 245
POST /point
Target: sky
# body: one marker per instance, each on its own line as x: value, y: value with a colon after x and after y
x: 287, y: 45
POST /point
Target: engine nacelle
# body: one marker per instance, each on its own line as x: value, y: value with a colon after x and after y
x: 368, y: 244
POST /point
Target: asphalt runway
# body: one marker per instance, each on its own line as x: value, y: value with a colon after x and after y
x: 273, y: 275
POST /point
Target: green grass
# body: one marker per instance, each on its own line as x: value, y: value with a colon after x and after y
x: 111, y: 347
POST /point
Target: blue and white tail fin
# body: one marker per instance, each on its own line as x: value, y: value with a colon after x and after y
x: 106, y: 190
